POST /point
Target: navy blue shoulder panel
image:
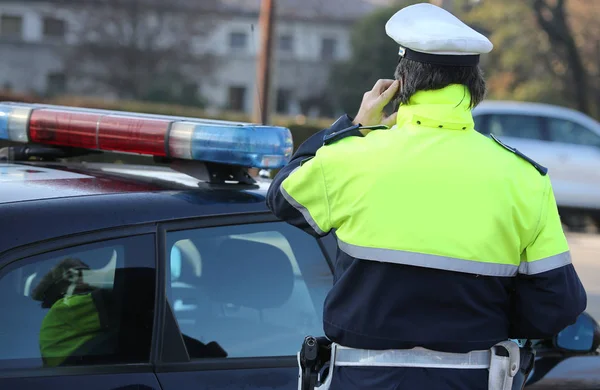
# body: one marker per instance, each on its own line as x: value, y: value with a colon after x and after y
x: 334, y: 136
x: 541, y: 169
x: 352, y: 131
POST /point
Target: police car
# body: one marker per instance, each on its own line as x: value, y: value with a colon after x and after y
x: 166, y: 276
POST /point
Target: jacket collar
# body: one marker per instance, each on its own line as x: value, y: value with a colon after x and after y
x: 446, y: 108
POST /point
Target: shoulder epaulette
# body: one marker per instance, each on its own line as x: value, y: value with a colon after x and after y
x: 541, y: 169
x: 376, y: 127
x: 307, y: 159
x: 353, y: 131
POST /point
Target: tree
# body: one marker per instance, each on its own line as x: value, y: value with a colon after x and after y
x: 582, y: 17
x: 374, y: 54
x: 544, y: 50
x: 552, y: 19
x: 141, y: 49
x: 517, y: 67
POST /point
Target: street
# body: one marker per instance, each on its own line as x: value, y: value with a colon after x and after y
x: 585, y: 249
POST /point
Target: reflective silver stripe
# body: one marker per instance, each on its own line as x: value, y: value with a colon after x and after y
x: 545, y: 264
x: 428, y: 261
x: 303, y: 210
x: 416, y: 357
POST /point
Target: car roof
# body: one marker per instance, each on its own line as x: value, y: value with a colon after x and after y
x: 41, y: 201
x: 530, y: 108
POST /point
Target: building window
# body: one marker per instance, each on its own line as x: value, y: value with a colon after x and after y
x: 11, y: 26
x: 328, y: 48
x: 56, y: 83
x: 237, y: 98
x: 54, y: 28
x: 284, y: 97
x: 286, y: 43
x: 238, y: 40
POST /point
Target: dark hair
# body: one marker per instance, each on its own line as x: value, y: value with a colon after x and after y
x: 418, y: 76
x: 54, y: 284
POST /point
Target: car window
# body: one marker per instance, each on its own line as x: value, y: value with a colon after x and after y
x: 568, y: 132
x: 90, y: 304
x: 518, y: 126
x: 479, y: 120
x: 247, y: 290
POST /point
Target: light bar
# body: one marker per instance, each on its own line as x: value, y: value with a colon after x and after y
x: 232, y: 143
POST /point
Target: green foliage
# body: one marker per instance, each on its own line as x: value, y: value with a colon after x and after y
x: 173, y: 88
x: 524, y: 64
x: 374, y: 56
x: 517, y: 68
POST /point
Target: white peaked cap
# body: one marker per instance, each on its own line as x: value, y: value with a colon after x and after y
x: 430, y: 34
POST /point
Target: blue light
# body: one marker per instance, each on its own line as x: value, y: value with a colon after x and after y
x: 4, y: 116
x: 253, y: 146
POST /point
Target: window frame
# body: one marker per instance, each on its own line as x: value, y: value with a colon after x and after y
x: 47, y: 23
x: 15, y: 255
x: 333, y: 53
x: 166, y: 363
x: 15, y: 35
x: 232, y: 96
x: 285, y: 93
x: 232, y: 43
x: 286, y: 37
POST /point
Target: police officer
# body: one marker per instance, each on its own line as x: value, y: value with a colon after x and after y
x: 79, y: 321
x: 450, y: 242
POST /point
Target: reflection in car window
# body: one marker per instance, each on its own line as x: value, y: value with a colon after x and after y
x: 79, y: 306
x: 248, y: 290
x: 568, y: 132
x: 518, y: 126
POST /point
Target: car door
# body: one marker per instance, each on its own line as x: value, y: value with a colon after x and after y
x: 570, y: 360
x: 244, y: 292
x: 578, y: 154
x: 78, y: 313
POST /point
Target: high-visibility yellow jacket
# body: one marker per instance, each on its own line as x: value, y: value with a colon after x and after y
x: 69, y: 324
x: 448, y: 239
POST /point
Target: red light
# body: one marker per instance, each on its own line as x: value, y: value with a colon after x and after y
x: 63, y: 128
x: 99, y: 131
x: 134, y: 135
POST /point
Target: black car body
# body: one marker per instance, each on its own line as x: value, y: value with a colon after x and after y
x: 116, y: 276
x: 258, y: 315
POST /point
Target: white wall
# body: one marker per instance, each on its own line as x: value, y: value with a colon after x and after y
x: 28, y: 62
x: 301, y: 70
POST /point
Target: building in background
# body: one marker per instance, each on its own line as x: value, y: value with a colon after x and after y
x: 178, y: 50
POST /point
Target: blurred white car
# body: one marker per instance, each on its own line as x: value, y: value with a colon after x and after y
x: 565, y: 141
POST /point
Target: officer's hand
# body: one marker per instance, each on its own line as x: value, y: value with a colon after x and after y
x: 374, y: 101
